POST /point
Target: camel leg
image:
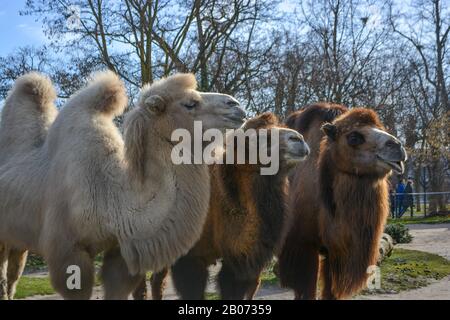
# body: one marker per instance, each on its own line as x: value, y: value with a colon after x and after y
x: 117, y: 281
x: 3, y: 272
x: 299, y: 269
x: 190, y: 277
x: 72, y: 273
x: 16, y: 263
x: 308, y: 273
x: 158, y: 283
x: 141, y: 290
x: 325, y: 271
x: 251, y: 292
x: 235, y: 287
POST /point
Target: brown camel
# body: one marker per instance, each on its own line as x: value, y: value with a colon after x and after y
x: 244, y: 224
x: 338, y: 199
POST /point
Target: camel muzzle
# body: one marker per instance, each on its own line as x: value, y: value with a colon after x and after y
x: 297, y: 149
x: 394, y: 156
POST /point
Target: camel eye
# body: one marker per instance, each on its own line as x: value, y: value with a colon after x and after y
x: 191, y: 104
x: 355, y: 139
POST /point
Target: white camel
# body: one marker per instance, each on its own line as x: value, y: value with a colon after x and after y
x: 27, y: 114
x: 87, y: 189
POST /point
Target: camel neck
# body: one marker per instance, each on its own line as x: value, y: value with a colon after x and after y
x: 167, y: 193
x: 360, y: 202
x: 353, y: 194
x: 263, y: 195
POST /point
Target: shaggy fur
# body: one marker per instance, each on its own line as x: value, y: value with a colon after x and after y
x: 28, y: 112
x: 244, y: 227
x: 26, y: 116
x: 339, y: 211
x: 77, y: 195
x: 304, y: 119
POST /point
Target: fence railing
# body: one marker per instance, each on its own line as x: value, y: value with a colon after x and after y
x: 418, y: 204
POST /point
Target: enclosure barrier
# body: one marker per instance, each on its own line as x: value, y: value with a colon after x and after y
x: 419, y: 204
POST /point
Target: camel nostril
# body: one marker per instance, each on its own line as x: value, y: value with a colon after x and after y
x: 393, y: 144
x: 233, y: 103
x: 296, y: 138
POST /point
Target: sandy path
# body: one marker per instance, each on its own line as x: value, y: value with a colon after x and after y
x: 434, y: 238
x: 429, y: 238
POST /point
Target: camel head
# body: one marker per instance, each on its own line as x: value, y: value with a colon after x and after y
x: 359, y: 144
x: 169, y: 104
x: 292, y: 146
x: 176, y: 102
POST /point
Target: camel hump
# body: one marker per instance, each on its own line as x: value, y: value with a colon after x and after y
x: 322, y: 112
x: 28, y: 112
x: 32, y: 90
x: 105, y: 93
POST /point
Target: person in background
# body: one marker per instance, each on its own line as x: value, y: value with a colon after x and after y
x: 392, y: 200
x: 408, y: 198
x: 400, y: 190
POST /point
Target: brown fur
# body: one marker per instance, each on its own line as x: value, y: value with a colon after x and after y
x: 303, y: 119
x: 243, y: 228
x: 339, y: 212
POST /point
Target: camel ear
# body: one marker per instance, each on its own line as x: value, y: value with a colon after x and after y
x: 330, y: 130
x: 155, y: 104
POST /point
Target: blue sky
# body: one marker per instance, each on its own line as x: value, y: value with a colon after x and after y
x: 16, y: 30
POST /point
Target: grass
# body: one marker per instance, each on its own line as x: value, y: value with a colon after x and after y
x: 268, y: 276
x: 212, y: 296
x: 33, y: 286
x: 411, y: 269
x: 403, y: 270
x: 417, y: 220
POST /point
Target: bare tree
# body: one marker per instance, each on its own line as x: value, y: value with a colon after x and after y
x: 143, y: 39
x: 425, y: 27
x: 21, y: 61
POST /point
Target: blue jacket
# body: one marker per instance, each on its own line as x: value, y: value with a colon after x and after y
x: 400, y: 190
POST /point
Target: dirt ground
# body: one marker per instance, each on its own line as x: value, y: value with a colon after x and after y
x: 429, y: 238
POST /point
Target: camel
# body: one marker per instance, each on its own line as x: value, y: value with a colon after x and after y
x: 244, y: 225
x: 87, y: 189
x: 338, y: 200
x: 27, y: 114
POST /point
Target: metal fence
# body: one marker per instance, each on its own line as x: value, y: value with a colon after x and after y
x: 419, y: 204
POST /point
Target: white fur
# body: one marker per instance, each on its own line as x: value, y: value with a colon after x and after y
x: 28, y: 112
x: 74, y: 195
